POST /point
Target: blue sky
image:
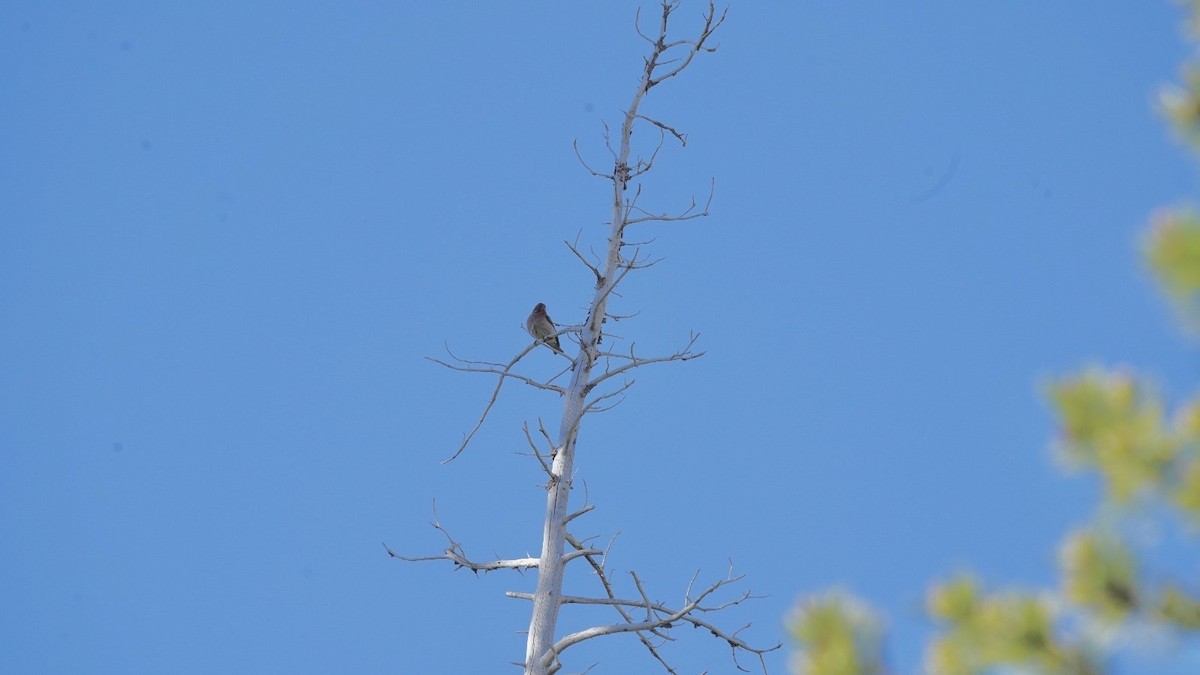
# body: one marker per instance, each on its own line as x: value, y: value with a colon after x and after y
x: 231, y: 233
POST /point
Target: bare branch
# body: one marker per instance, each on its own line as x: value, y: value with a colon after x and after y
x: 634, y: 264
x: 583, y: 552
x: 619, y: 317
x: 595, y: 270
x: 627, y: 208
x: 593, y: 405
x: 546, y: 435
x: 614, y: 355
x: 681, y: 137
x: 711, y: 23
x: 598, y: 174
x: 612, y: 286
x: 689, y: 213
x: 533, y: 446
x: 638, y: 244
x: 461, y: 561
x: 641, y: 589
x: 637, y: 26
x: 685, y: 354
x: 581, y: 512
x: 486, y: 367
x: 504, y: 372
x: 644, y: 166
x: 660, y: 616
x: 598, y: 568
x: 454, y: 553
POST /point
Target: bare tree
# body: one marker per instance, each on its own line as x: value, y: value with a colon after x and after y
x: 593, y: 366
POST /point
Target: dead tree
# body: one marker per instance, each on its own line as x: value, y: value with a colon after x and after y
x: 599, y: 363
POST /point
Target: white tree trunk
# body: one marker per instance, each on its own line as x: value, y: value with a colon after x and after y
x: 547, y: 599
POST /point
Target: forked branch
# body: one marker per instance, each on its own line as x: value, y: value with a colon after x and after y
x: 659, y: 618
x: 505, y: 372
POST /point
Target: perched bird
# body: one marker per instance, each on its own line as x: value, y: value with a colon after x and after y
x: 542, y: 328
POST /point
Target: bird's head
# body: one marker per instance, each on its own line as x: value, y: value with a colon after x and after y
x: 541, y: 308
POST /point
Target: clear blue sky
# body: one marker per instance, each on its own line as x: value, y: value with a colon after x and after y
x: 231, y: 232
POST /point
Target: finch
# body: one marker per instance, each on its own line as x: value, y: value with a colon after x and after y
x: 542, y: 328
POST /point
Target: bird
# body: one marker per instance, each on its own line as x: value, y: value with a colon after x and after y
x: 541, y: 327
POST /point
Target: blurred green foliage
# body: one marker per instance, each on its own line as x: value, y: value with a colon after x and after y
x: 1111, y: 422
x: 841, y: 636
x: 981, y: 632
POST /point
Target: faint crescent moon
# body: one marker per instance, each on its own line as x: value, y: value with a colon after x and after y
x: 941, y: 183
